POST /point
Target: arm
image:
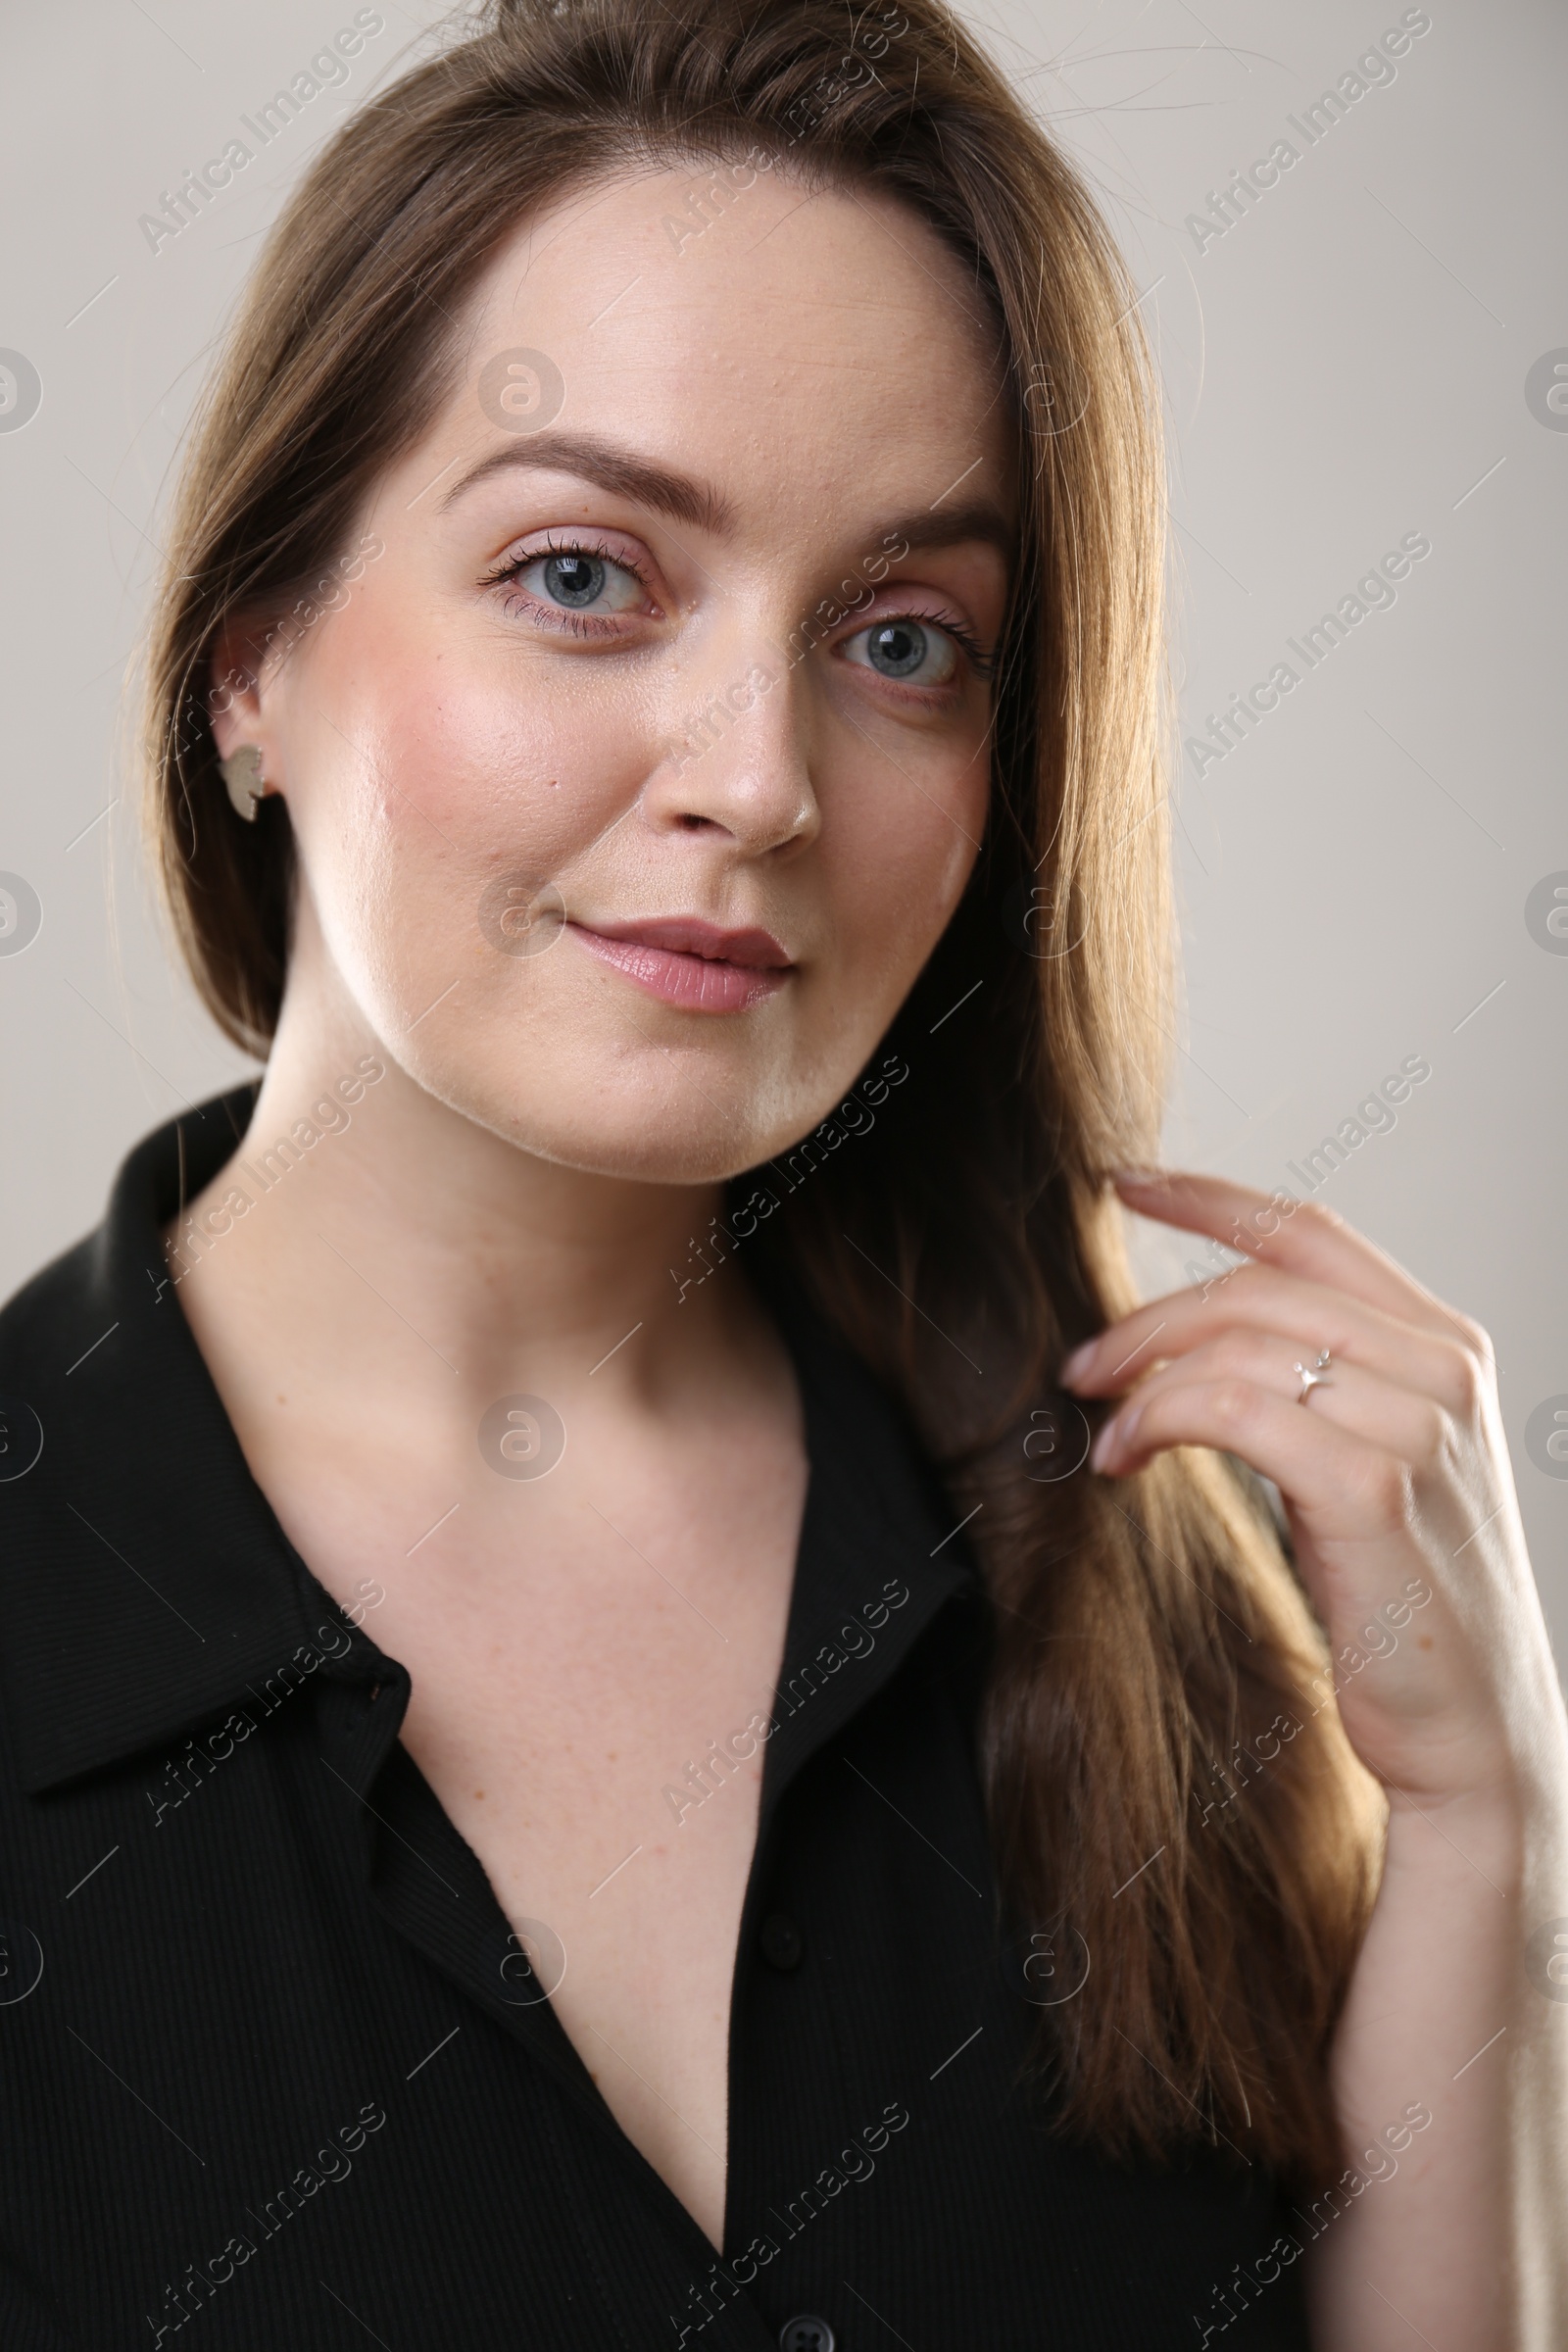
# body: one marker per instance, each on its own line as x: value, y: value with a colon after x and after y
x: 1462, y: 2233
x: 1451, y: 2062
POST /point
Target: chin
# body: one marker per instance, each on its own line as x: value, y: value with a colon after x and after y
x: 675, y: 1134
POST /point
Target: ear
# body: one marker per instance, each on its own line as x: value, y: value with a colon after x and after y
x: 236, y: 697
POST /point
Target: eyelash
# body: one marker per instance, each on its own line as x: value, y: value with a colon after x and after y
x: 556, y: 616
x: 980, y: 661
x: 581, y: 625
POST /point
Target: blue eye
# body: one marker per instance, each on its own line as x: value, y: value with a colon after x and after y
x: 574, y: 579
x: 579, y: 582
x: 905, y: 651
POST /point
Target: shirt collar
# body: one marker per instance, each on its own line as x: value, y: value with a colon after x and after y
x: 146, y: 1584
x: 144, y: 1581
x: 880, y: 1556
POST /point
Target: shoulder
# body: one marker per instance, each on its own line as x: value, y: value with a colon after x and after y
x: 33, y: 1309
x: 88, y: 1332
x: 41, y: 1339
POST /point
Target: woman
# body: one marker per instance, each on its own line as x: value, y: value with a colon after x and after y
x: 591, y: 1760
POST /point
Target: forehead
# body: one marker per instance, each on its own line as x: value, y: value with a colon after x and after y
x: 824, y: 344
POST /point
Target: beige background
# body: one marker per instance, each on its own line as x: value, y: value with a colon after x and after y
x: 1344, y: 365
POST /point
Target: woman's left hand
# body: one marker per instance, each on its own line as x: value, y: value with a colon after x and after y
x: 1393, y: 1468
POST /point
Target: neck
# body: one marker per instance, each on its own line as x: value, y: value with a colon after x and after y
x: 393, y: 1245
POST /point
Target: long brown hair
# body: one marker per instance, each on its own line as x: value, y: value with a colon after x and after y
x: 1150, y: 1633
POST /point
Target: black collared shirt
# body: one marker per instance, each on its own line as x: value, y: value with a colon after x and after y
x: 277, y: 2074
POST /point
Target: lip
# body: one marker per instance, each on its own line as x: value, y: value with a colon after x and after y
x: 695, y: 965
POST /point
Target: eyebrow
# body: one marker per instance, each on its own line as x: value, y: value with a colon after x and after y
x: 624, y: 474
x: 957, y: 527
x: 610, y: 468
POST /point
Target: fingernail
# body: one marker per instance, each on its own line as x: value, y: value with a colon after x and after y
x: 1114, y: 1438
x: 1076, y: 1363
x: 1140, y: 1176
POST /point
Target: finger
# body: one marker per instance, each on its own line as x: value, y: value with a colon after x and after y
x: 1345, y: 1489
x: 1413, y: 1428
x: 1302, y: 1237
x: 1311, y: 1315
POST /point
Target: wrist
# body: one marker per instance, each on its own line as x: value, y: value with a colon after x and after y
x: 1512, y: 1830
x: 1498, y: 1772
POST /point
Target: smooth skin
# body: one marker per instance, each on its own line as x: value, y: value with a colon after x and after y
x: 746, y: 423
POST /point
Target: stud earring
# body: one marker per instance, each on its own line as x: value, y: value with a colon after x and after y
x: 243, y: 780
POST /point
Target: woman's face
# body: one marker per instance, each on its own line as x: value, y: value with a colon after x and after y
x: 636, y: 777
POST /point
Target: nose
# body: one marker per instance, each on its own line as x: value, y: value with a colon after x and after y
x: 736, y: 762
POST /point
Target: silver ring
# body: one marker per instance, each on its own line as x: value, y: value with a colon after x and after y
x: 1312, y: 1376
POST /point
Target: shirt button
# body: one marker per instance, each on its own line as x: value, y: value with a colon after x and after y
x: 805, y: 2334
x: 782, y: 1947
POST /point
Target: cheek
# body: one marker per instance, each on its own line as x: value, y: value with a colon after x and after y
x: 507, y: 768
x: 899, y: 868
x: 456, y: 782
x: 957, y: 864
